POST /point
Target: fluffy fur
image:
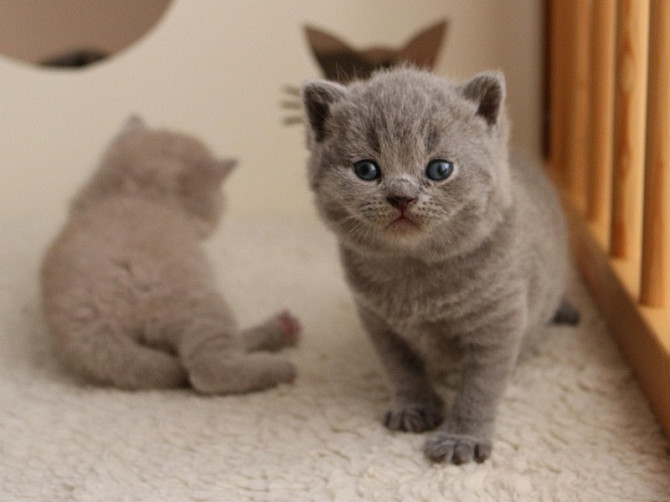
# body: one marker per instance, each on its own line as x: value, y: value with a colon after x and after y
x: 126, y: 287
x: 469, y: 264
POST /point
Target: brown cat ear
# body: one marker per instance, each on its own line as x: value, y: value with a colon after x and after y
x: 422, y: 50
x: 338, y: 61
x: 488, y: 91
x: 223, y: 167
x: 318, y: 96
x: 321, y: 42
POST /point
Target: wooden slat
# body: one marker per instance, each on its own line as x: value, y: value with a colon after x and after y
x: 655, y: 288
x: 629, y: 131
x: 559, y: 57
x: 576, y: 163
x: 601, y: 126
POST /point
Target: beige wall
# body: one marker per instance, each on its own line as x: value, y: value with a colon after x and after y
x: 215, y: 68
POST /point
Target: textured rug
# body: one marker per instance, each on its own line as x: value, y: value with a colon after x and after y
x: 573, y: 425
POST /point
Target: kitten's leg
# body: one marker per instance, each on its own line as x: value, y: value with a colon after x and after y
x: 566, y: 314
x: 280, y: 330
x: 417, y: 407
x: 467, y: 433
x: 235, y: 373
x: 217, y: 363
x: 203, y: 333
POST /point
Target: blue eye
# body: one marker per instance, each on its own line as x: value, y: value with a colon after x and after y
x: 367, y: 170
x: 439, y: 170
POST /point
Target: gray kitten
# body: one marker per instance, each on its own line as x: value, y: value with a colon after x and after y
x: 444, y: 243
x: 126, y: 287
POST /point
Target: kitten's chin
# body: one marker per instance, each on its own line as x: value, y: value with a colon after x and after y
x: 403, y: 226
x: 393, y: 236
x: 403, y: 234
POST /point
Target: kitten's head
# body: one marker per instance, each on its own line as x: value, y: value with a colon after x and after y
x: 164, y: 166
x: 408, y: 162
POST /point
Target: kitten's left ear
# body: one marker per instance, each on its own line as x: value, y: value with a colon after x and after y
x: 318, y: 96
x: 488, y: 91
x: 223, y: 167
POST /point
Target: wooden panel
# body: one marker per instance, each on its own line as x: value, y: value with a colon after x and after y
x: 629, y: 127
x: 599, y: 170
x: 655, y: 288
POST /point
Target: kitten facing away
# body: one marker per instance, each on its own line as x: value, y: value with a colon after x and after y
x: 127, y: 290
x: 341, y: 62
x: 447, y: 246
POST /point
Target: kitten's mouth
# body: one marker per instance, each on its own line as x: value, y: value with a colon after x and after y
x: 403, y: 223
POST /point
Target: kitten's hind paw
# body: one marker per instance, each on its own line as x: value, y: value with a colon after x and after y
x: 281, y: 330
x: 457, y: 448
x: 414, y: 417
x: 290, y: 327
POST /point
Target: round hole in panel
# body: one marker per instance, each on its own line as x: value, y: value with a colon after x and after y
x: 74, y: 33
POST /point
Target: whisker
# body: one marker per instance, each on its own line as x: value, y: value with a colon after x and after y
x: 288, y: 121
x: 355, y: 227
x: 291, y: 105
x: 291, y: 90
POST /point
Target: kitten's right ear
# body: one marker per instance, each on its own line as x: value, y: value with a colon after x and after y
x: 318, y: 96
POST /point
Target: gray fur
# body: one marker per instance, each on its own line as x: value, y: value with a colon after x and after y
x: 126, y: 287
x: 480, y: 264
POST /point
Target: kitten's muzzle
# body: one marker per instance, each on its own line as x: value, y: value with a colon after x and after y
x: 401, y: 192
x: 401, y: 203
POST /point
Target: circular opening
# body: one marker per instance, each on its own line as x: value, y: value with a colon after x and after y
x: 73, y: 33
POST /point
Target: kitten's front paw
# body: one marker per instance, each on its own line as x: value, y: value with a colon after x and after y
x: 457, y: 449
x: 414, y: 417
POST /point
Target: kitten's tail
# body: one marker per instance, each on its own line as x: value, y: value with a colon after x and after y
x: 109, y: 358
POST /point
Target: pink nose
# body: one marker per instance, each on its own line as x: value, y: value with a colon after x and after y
x: 401, y: 203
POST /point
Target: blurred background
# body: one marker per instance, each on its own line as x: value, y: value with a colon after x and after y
x: 73, y: 70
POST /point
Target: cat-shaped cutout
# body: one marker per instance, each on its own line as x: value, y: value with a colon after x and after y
x: 340, y: 62
x: 450, y: 246
x: 127, y: 290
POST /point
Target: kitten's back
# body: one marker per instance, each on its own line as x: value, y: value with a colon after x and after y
x: 129, y: 257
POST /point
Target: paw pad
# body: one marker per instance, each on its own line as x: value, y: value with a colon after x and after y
x: 290, y: 326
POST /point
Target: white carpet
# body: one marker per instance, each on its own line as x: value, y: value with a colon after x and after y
x: 573, y: 425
